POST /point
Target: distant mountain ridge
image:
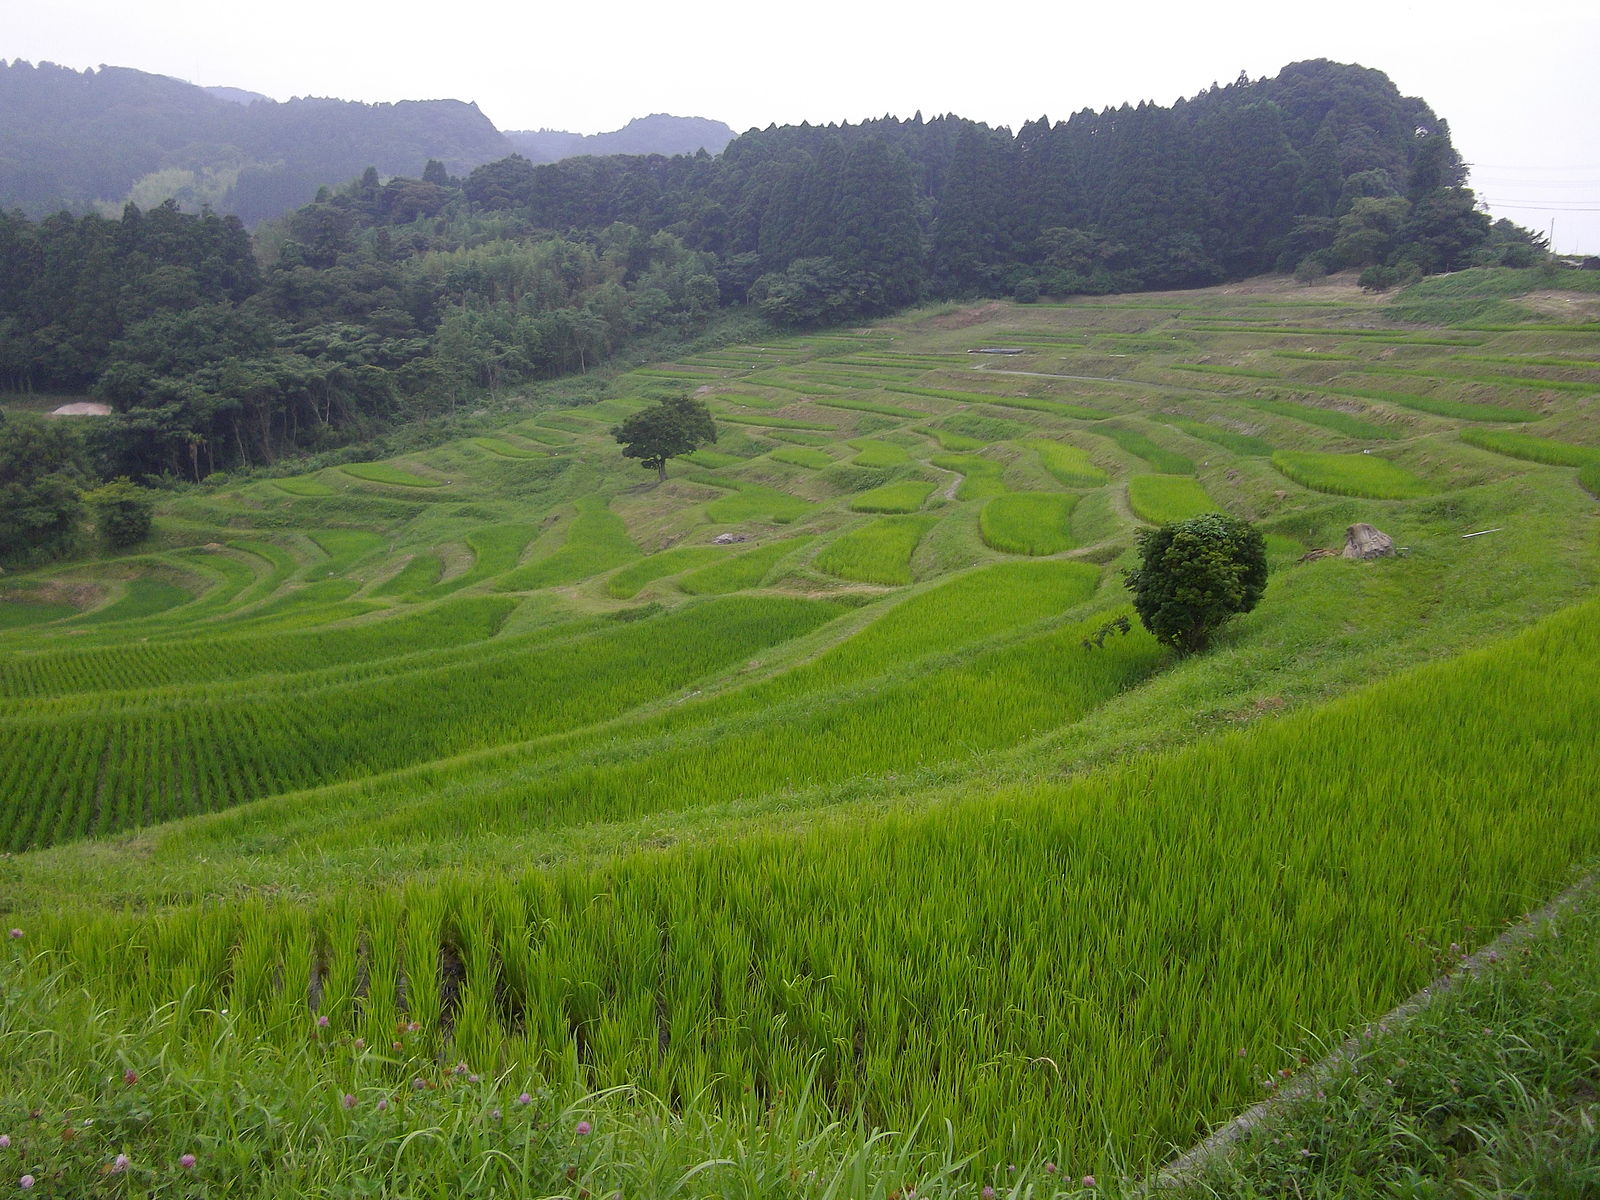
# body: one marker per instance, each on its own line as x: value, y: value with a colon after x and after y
x: 80, y: 140
x: 659, y: 133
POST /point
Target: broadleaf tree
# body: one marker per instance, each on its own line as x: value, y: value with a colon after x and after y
x: 674, y: 426
x: 1194, y: 576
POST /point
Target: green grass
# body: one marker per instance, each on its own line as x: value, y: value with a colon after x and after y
x: 420, y: 572
x: 18, y: 614
x: 981, y: 478
x: 712, y: 459
x: 303, y: 485
x: 1328, y: 418
x: 956, y: 441
x: 1217, y: 369
x: 1238, y: 443
x: 597, y: 540
x: 1163, y: 499
x: 142, y: 597
x: 164, y: 756
x: 1455, y: 409
x: 754, y: 502
x: 1080, y: 412
x: 802, y: 456
x: 873, y: 453
x: 495, y: 551
x: 984, y: 428
x: 379, y: 472
x: 747, y: 400
x: 628, y: 582
x: 506, y: 449
x: 1351, y: 475
x: 910, y: 855
x: 876, y: 553
x: 1137, y: 444
x: 1028, y: 523
x: 1071, y: 465
x: 739, y: 569
x: 906, y: 496
x: 1534, y: 449
x: 771, y: 422
x: 871, y: 406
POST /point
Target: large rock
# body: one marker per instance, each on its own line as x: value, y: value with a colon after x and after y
x: 1363, y: 541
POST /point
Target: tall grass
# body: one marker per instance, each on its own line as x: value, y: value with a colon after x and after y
x: 1248, y: 891
x: 1071, y: 465
x: 1161, y: 499
x: 876, y: 553
x: 739, y: 571
x: 906, y: 496
x: 1028, y: 522
x: 597, y: 540
x: 1534, y: 449
x: 980, y: 477
x: 379, y: 472
x: 1351, y: 475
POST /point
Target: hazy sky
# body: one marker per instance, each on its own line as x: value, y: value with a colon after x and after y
x: 1519, y: 86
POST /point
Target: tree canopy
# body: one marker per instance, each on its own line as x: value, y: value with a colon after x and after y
x: 678, y: 425
x: 1196, y: 575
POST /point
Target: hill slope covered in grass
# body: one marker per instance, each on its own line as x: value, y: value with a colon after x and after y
x: 493, y: 756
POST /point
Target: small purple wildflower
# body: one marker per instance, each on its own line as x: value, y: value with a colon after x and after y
x: 5, y: 1141
x: 187, y: 1162
x: 418, y: 1083
x: 473, y: 1079
x: 322, y: 1020
x: 16, y: 934
x: 1049, y: 1168
x: 583, y: 1128
x: 460, y: 1068
x: 119, y: 1164
x: 359, y: 1044
x: 349, y: 1101
x: 988, y: 1192
x: 130, y: 1077
x: 494, y: 1114
x: 1088, y: 1181
x: 25, y: 1182
x: 524, y: 1099
x: 383, y: 1105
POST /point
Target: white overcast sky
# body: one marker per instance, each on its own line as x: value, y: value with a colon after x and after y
x: 1520, y: 86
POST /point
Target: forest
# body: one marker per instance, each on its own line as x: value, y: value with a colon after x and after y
x: 390, y: 299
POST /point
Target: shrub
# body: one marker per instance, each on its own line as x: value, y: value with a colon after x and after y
x: 1194, y: 576
x: 122, y: 512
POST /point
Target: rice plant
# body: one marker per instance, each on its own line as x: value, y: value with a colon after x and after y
x: 1071, y: 465
x: 1028, y: 522
x: 1351, y: 475
x: 876, y: 553
x: 906, y: 496
x: 381, y: 472
x: 1163, y: 499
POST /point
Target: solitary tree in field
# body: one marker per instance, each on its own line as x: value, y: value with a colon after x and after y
x: 1193, y: 577
x: 676, y: 426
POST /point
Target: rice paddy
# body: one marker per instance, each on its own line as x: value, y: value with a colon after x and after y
x: 1351, y: 475
x: 821, y: 769
x: 1028, y: 523
x: 1163, y: 499
x: 907, y: 496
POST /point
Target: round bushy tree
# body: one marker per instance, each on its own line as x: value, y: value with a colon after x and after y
x: 675, y: 426
x: 123, y: 512
x: 1196, y: 574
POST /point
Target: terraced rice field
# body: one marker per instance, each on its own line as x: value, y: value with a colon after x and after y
x: 869, y: 799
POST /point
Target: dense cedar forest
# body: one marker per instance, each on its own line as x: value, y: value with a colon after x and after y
x: 391, y: 299
x: 79, y: 140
